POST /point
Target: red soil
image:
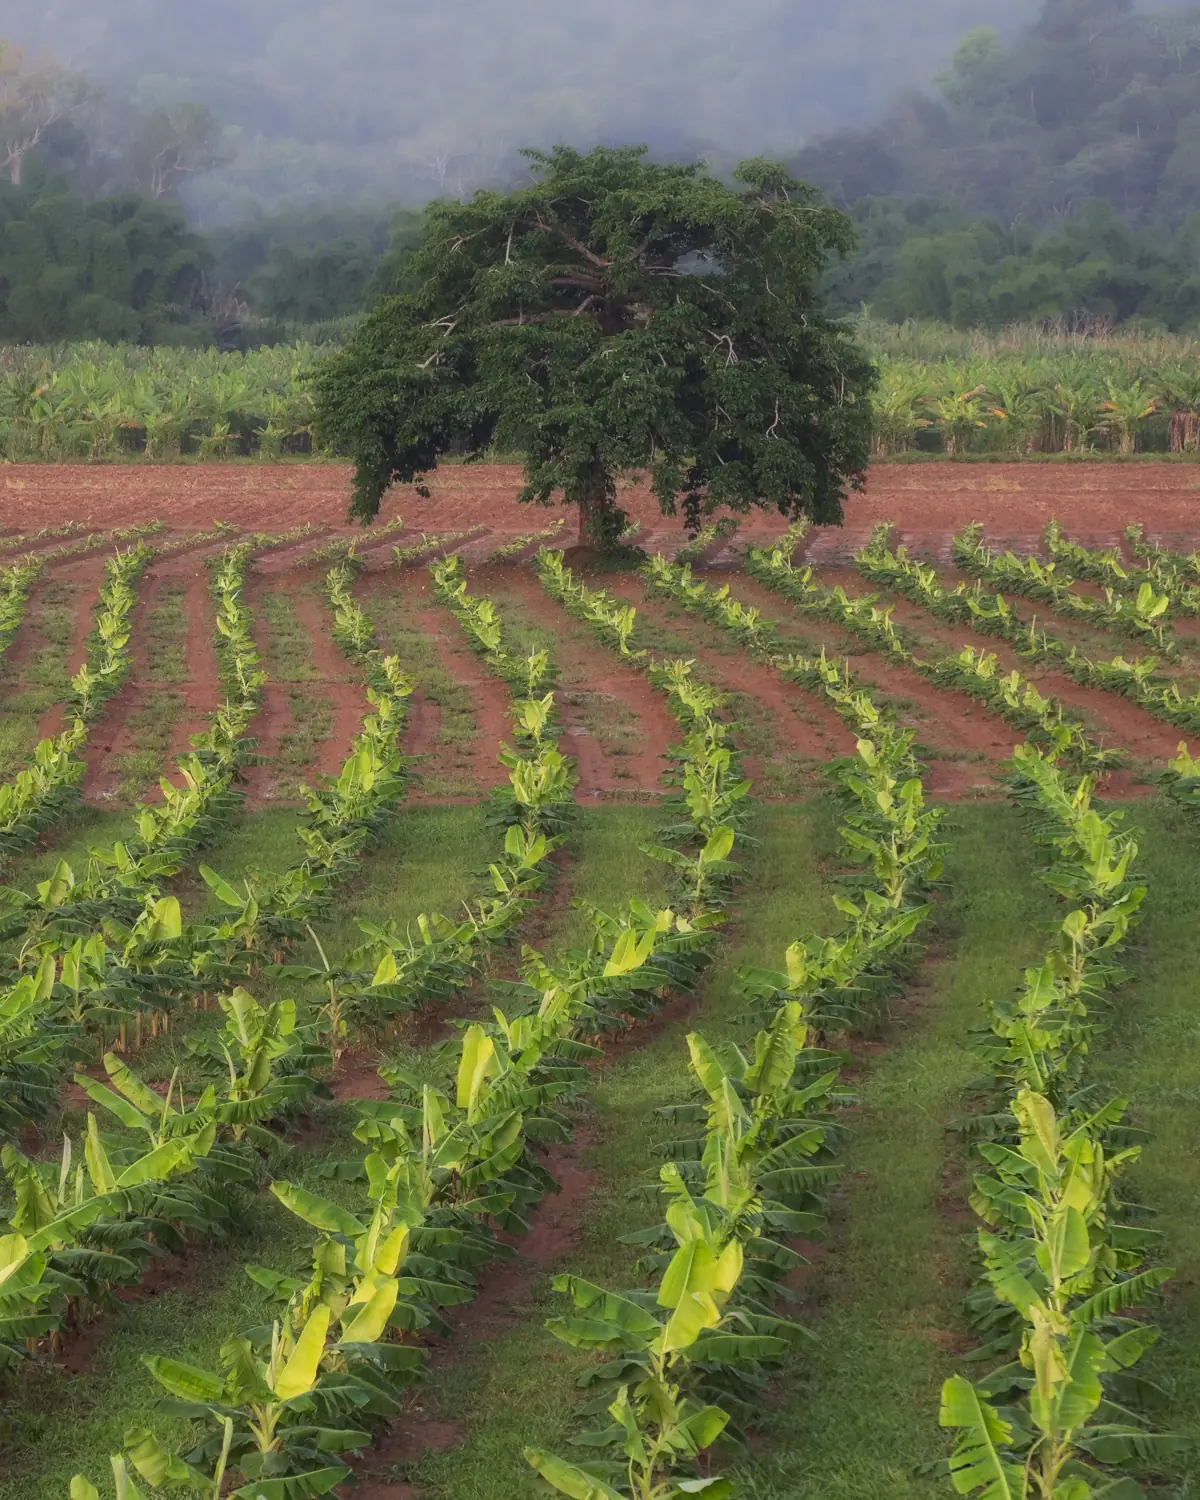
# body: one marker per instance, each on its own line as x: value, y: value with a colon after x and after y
x: 740, y: 673
x: 504, y: 1291
x: 490, y: 695
x: 944, y: 720
x: 928, y: 502
x: 1121, y: 722
x: 200, y: 693
x: 592, y: 676
x: 1095, y: 501
x: 339, y: 682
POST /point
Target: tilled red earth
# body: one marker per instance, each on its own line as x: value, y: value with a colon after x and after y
x: 1014, y: 500
x: 928, y: 503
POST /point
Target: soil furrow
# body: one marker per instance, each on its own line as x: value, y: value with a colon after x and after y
x: 87, y: 577
x: 617, y: 725
x: 818, y: 733
x: 1119, y: 721
x: 490, y: 695
x: 963, y: 741
x: 343, y: 690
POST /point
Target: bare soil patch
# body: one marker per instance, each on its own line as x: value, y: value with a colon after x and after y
x: 1095, y: 500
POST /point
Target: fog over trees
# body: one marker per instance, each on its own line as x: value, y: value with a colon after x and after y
x: 406, y: 99
x: 1040, y: 160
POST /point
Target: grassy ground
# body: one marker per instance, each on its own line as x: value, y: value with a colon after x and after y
x: 448, y: 771
x: 27, y: 690
x: 57, y: 1423
x: 288, y: 658
x: 158, y: 707
x: 857, y: 1417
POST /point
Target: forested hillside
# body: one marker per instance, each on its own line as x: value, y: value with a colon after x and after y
x: 1045, y: 172
x: 1056, y: 176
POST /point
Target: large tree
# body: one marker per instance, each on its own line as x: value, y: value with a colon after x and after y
x: 615, y: 316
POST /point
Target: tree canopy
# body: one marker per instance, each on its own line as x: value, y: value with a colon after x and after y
x: 616, y: 315
x: 118, y: 268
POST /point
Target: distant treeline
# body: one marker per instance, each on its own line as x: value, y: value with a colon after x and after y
x: 921, y: 259
x: 126, y: 268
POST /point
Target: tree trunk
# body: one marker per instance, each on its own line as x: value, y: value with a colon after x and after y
x: 594, y: 504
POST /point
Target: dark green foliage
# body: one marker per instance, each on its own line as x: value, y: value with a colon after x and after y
x: 301, y: 266
x: 615, y: 315
x: 922, y: 259
x: 121, y: 268
x: 1095, y: 100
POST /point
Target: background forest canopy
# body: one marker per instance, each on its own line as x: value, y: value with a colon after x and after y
x: 220, y: 176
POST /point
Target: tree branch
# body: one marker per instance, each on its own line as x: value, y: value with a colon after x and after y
x: 575, y: 244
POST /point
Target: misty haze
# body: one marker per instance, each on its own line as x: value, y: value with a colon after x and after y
x: 407, y: 99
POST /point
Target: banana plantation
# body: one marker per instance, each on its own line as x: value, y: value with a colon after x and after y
x: 1082, y: 397
x: 479, y: 1025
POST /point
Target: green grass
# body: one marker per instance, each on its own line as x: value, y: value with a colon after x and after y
x: 153, y: 722
x: 288, y: 658
x: 518, y: 1386
x: 28, y: 689
x: 1152, y: 1056
x: 855, y: 1416
x: 166, y: 634
x: 448, y: 773
x: 56, y: 1424
x: 858, y: 1415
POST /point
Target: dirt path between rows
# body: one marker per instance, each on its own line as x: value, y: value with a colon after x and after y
x: 340, y: 683
x: 202, y: 690
x: 87, y: 577
x: 1119, y: 721
x: 623, y: 759
x: 489, y: 694
x: 945, y: 721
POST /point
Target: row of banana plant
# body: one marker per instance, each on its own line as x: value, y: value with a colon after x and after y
x: 40, y: 792
x: 1040, y: 716
x: 1064, y: 1256
x: 261, y: 1064
x: 711, y: 535
x: 341, y: 546
x: 428, y: 546
x: 445, y: 1168
x: 20, y: 541
x: 688, y: 1357
x: 1176, y: 573
x: 79, y: 977
x: 1160, y: 571
x: 1037, y: 1044
x: 1010, y: 695
x: 992, y: 614
x: 1144, y: 615
x: 510, y: 551
x: 16, y: 581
